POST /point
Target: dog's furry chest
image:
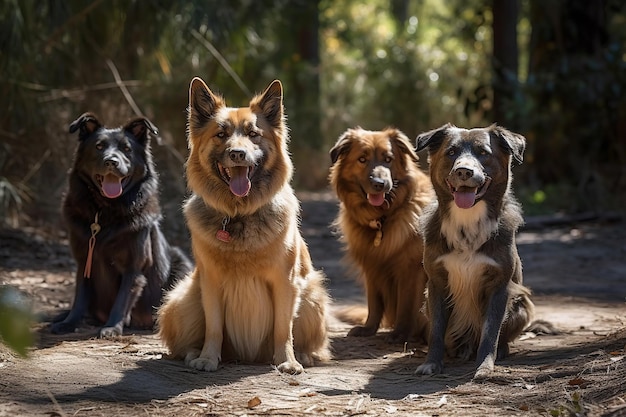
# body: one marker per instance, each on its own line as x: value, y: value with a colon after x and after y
x: 465, y: 232
x: 248, y: 317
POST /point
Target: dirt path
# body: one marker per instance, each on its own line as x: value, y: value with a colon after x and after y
x: 578, y: 275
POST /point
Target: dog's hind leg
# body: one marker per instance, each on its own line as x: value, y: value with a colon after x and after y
x: 519, y: 314
x: 129, y: 292
x: 180, y: 267
x: 375, y: 310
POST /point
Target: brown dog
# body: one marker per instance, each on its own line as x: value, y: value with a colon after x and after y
x: 254, y: 295
x: 382, y: 192
x: 476, y: 300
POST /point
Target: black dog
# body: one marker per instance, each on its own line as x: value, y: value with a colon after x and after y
x: 476, y: 301
x: 112, y: 214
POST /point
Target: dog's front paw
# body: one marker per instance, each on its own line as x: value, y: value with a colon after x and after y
x: 429, y: 368
x: 191, y: 355
x: 292, y: 367
x: 485, y: 369
x: 203, y: 364
x: 305, y: 359
x: 113, y: 331
x: 362, y: 331
x: 397, y: 337
x: 62, y: 327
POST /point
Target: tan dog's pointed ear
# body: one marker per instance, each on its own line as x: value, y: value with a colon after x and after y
x: 342, y: 146
x: 202, y: 103
x: 87, y: 123
x: 270, y: 104
x: 513, y: 143
x: 431, y: 139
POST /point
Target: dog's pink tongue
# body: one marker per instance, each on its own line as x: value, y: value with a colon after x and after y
x: 464, y: 200
x: 239, y: 181
x: 376, y: 199
x: 112, y: 186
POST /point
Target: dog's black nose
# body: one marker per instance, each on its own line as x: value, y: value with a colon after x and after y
x: 237, y: 155
x: 464, y: 174
x: 111, y: 163
x: 378, y: 184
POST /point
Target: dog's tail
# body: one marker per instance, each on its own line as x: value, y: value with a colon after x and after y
x: 353, y: 314
x: 180, y: 267
x: 356, y: 315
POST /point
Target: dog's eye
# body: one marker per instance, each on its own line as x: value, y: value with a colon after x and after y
x: 451, y: 152
x: 99, y: 146
x: 127, y: 148
x: 362, y: 160
x: 253, y: 134
x: 388, y: 159
x: 221, y: 135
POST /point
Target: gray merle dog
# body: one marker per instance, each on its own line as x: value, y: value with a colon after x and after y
x: 477, y: 303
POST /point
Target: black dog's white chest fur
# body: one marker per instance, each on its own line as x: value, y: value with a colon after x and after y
x: 465, y: 231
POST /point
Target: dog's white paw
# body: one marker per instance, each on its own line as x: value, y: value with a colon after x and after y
x: 429, y: 368
x: 292, y: 368
x: 204, y: 364
x: 109, y: 332
x: 485, y: 369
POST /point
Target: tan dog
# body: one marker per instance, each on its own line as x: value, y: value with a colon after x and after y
x: 477, y: 303
x: 382, y: 192
x: 254, y: 295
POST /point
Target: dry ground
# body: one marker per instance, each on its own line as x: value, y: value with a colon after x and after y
x: 577, y: 273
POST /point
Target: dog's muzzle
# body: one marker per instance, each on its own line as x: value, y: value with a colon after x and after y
x: 467, y: 185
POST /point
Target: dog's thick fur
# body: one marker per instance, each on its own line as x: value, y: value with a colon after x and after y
x: 113, y: 187
x: 255, y: 297
x: 476, y: 300
x: 382, y: 192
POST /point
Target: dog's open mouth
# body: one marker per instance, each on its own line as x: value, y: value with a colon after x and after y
x: 376, y: 199
x: 466, y: 197
x: 111, y: 185
x: 237, y: 178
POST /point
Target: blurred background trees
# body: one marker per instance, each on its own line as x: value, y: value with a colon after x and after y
x: 554, y: 71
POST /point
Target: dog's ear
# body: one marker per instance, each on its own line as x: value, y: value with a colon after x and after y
x: 142, y: 129
x: 202, y: 103
x: 87, y: 123
x: 513, y: 143
x: 431, y: 139
x: 342, y: 146
x: 270, y: 104
x: 403, y: 142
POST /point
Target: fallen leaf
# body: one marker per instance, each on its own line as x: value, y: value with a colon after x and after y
x: 254, y: 402
x: 578, y: 382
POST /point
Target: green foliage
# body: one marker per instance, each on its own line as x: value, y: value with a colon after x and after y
x: 415, y: 66
x: 414, y: 75
x: 573, y: 408
x: 15, y: 320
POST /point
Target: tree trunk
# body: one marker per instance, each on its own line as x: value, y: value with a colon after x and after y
x: 505, y: 60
